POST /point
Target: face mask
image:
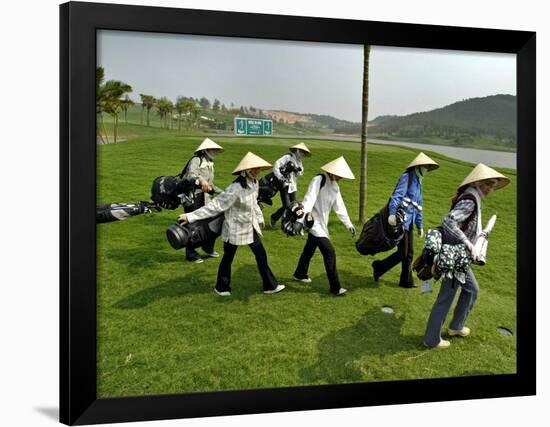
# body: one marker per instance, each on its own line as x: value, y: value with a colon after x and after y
x: 420, y: 173
x: 298, y: 154
x: 210, y: 154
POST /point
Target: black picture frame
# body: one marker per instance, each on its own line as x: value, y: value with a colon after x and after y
x: 78, y: 24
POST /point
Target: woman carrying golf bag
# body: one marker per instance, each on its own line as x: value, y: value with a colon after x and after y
x: 289, y: 182
x: 462, y: 225
x: 242, y: 225
x: 409, y: 191
x: 201, y: 166
x: 323, y: 195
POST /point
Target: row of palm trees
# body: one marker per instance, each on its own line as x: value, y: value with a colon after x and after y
x: 184, y: 111
x: 112, y: 99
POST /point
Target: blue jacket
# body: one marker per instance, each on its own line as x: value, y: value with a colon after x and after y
x: 408, y: 185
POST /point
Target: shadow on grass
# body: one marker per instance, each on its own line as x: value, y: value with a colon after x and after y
x: 352, y: 281
x: 245, y: 282
x: 320, y: 285
x: 377, y: 333
x: 140, y: 258
x: 386, y: 280
x: 192, y: 283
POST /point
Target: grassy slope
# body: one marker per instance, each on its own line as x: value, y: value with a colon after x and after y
x: 161, y: 329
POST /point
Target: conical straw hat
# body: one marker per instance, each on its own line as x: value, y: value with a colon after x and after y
x: 423, y: 160
x: 339, y: 167
x: 481, y: 173
x: 208, y: 144
x: 251, y: 161
x: 303, y: 147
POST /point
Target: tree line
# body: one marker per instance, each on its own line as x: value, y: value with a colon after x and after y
x: 492, y: 115
x: 112, y: 99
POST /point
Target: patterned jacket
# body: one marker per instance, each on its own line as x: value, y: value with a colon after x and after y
x: 292, y: 181
x: 242, y: 213
x: 463, y: 222
x: 203, y: 168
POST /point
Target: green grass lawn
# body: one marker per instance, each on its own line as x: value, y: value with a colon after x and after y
x: 161, y: 328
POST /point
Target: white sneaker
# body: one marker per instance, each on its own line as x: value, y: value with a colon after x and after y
x: 341, y: 291
x: 214, y: 254
x: 442, y: 344
x: 306, y: 280
x: 222, y: 293
x: 464, y: 332
x: 279, y: 288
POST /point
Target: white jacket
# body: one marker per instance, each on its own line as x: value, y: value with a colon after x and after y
x: 320, y: 201
x: 293, y: 177
x: 241, y: 210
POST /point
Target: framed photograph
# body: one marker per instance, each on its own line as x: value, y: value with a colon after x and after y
x: 186, y: 134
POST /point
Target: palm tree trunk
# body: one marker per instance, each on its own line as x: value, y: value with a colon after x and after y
x: 116, y: 127
x: 104, y: 128
x: 98, y: 129
x: 364, y: 120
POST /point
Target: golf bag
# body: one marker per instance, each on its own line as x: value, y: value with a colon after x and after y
x: 291, y: 215
x: 270, y: 184
x: 120, y: 211
x: 169, y: 192
x: 196, y: 234
x: 379, y: 236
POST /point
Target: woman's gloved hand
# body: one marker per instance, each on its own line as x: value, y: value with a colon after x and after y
x: 474, y: 253
x: 182, y: 219
x: 205, y: 187
x: 392, y: 220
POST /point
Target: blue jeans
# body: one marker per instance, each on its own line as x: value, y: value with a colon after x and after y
x: 442, y: 305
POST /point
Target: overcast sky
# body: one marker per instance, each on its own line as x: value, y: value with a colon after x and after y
x: 303, y: 77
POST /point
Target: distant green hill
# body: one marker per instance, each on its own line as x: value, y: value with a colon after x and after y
x: 491, y: 119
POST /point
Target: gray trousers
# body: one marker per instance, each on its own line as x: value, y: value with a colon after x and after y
x: 442, y: 305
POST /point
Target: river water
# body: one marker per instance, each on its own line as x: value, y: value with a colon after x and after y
x: 489, y: 157
x: 503, y: 159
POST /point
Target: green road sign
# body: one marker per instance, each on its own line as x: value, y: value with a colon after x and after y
x: 244, y: 126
